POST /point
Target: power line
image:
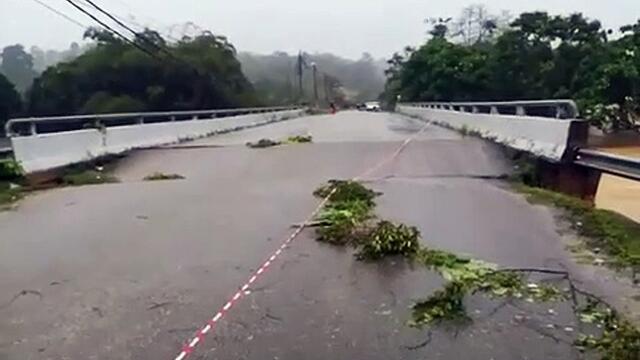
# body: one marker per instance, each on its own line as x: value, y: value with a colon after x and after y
x: 117, y: 21
x: 138, y: 35
x: 59, y: 13
x: 112, y: 30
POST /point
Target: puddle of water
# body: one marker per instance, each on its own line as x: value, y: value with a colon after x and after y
x: 619, y: 194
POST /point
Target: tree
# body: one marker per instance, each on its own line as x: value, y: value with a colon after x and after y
x: 113, y: 76
x: 17, y: 66
x: 476, y: 25
x: 537, y: 56
x: 10, y: 103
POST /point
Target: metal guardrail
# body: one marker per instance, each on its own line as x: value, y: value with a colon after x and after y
x: 38, y: 125
x: 559, y: 109
x: 623, y: 166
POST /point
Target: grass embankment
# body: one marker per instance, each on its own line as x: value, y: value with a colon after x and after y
x: 609, y: 232
x: 14, y: 186
x: 348, y: 220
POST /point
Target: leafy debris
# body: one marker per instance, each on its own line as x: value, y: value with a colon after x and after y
x: 266, y: 143
x: 299, y: 139
x: 263, y: 143
x: 158, y: 176
x: 387, y: 238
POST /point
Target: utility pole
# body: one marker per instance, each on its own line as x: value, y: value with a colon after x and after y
x: 299, y: 73
x: 325, y: 88
x: 315, y: 83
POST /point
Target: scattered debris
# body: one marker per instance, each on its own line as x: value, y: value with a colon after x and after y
x: 387, y: 238
x: 158, y: 176
x: 98, y: 311
x: 299, y: 139
x: 266, y: 143
x: 346, y: 218
x: 263, y: 143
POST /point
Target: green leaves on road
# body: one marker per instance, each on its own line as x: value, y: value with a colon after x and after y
x: 159, y: 176
x: 267, y: 143
x: 348, y: 219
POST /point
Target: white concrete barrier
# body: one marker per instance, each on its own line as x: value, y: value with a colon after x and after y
x: 544, y: 137
x: 41, y: 152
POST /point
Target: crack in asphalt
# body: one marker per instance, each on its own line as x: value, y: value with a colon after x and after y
x: 440, y: 176
x: 19, y: 295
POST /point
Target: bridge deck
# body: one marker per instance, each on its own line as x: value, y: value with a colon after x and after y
x: 132, y: 270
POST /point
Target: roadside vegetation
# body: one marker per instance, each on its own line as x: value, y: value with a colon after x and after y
x: 10, y: 180
x: 85, y: 176
x: 613, y: 234
x: 14, y: 186
x: 479, y: 56
x: 348, y: 219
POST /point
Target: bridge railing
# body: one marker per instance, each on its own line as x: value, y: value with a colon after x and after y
x: 51, y: 124
x: 559, y: 109
x: 546, y: 128
x: 41, y: 144
x: 624, y: 166
x: 530, y: 126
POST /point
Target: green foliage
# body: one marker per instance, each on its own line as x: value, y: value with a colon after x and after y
x: 469, y: 276
x: 158, y: 176
x: 104, y: 103
x: 618, y: 340
x: 387, y: 238
x: 79, y: 177
x: 537, y: 56
x: 446, y: 304
x: 8, y: 194
x: 10, y: 169
x: 349, y: 206
x: 345, y: 191
x: 343, y: 221
x: 10, y: 102
x: 615, y: 234
x: 201, y: 73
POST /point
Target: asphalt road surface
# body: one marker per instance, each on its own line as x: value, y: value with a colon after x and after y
x: 132, y: 270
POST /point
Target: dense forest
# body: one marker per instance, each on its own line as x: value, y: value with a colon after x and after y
x: 534, y: 56
x: 112, y: 75
x: 202, y: 70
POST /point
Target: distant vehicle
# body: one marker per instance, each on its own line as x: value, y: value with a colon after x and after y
x: 372, y: 106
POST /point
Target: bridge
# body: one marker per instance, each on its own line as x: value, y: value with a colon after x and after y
x: 132, y: 270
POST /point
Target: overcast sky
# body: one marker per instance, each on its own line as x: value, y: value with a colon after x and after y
x: 344, y: 27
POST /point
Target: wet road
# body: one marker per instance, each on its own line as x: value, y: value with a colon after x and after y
x: 132, y: 270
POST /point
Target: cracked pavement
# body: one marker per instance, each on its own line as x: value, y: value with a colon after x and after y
x: 131, y: 270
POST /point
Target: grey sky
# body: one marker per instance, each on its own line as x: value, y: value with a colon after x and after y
x: 345, y: 27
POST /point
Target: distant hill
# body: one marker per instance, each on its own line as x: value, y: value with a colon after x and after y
x: 274, y: 76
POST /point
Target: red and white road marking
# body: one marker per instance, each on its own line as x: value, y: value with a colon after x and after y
x: 200, y: 335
